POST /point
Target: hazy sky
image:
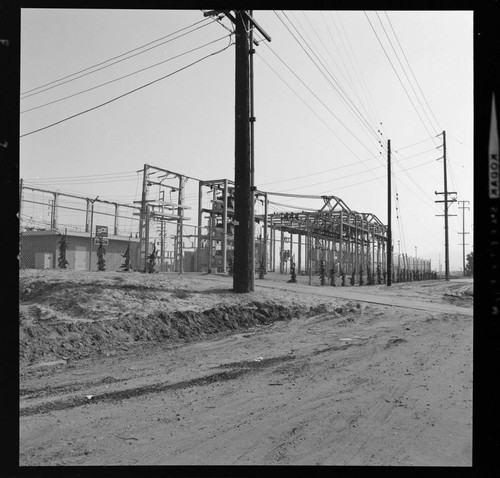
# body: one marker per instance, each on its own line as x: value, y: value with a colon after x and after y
x: 328, y: 95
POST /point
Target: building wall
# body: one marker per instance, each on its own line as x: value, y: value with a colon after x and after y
x: 35, y: 248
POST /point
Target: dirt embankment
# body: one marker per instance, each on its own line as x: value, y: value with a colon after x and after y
x: 69, y: 315
x: 180, y: 370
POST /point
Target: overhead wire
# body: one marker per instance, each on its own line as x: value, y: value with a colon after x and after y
x: 397, y: 75
x: 350, y: 83
x: 340, y: 167
x: 124, y: 76
x: 342, y: 94
x: 411, y: 179
x: 404, y: 70
x: 360, y: 77
x: 26, y: 95
x: 128, y: 92
x: 351, y: 175
x: 304, y: 101
x: 307, y: 104
x: 411, y: 70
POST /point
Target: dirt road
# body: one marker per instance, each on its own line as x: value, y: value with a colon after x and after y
x: 385, y: 380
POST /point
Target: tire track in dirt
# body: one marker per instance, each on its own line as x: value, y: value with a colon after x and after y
x: 236, y: 369
x: 361, y: 437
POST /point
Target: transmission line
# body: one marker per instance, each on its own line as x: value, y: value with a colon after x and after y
x: 124, y: 76
x: 342, y: 94
x: 26, y: 95
x: 128, y: 92
x: 404, y: 70
x: 397, y: 75
x: 413, y: 74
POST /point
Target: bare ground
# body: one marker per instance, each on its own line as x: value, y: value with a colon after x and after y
x: 134, y: 369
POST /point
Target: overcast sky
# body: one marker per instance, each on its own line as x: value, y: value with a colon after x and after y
x: 330, y: 89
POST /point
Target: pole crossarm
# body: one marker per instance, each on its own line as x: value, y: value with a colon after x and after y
x: 233, y: 19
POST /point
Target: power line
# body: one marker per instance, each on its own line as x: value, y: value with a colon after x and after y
x: 342, y: 94
x: 375, y: 177
x: 360, y: 77
x: 413, y: 74
x: 319, y: 99
x: 124, y: 76
x: 419, y: 142
x: 403, y: 68
x: 399, y: 78
x: 84, y: 176
x: 341, y: 167
x: 127, y: 93
x: 111, y: 59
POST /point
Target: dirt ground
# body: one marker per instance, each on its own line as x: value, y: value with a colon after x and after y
x: 167, y: 369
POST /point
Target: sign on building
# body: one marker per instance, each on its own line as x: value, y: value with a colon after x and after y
x: 101, y: 231
x: 97, y: 241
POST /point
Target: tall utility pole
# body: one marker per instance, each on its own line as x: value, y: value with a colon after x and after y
x: 243, y: 231
x: 251, y: 52
x: 463, y: 208
x: 389, y: 216
x: 244, y: 241
x: 446, y: 201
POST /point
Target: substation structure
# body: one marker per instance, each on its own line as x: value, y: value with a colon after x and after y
x: 215, y: 252
x: 344, y: 239
x: 162, y: 203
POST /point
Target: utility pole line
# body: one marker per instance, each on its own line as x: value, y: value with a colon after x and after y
x: 446, y: 201
x: 463, y: 208
x: 389, y: 217
x: 244, y: 241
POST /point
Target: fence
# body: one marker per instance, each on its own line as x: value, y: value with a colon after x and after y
x: 46, y: 216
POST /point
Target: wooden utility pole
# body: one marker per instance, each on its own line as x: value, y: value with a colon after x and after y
x: 446, y: 201
x: 389, y: 216
x: 243, y: 237
x: 244, y: 241
x: 251, y: 52
x: 463, y: 208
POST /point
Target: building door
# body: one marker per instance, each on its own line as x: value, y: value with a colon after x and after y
x: 81, y: 258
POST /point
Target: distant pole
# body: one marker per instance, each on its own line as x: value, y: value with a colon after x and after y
x: 91, y: 226
x: 463, y: 208
x: 446, y: 240
x: 308, y: 249
x: 446, y: 201
x: 389, y: 217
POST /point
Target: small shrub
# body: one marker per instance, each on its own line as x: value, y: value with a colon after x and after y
x: 101, y: 252
x: 126, y: 265
x: 62, y: 263
x: 153, y: 256
x: 293, y: 278
x: 322, y: 272
x: 331, y: 276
